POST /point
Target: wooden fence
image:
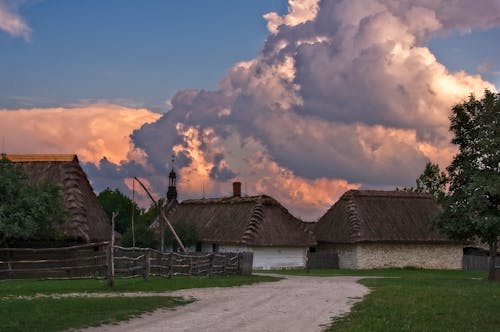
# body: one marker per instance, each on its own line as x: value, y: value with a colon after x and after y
x: 96, y: 260
x: 478, y: 262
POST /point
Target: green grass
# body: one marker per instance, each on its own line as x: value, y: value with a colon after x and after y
x: 74, y: 313
x: 155, y: 284
x: 50, y: 314
x: 421, y: 300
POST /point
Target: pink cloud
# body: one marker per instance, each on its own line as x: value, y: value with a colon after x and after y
x: 91, y: 131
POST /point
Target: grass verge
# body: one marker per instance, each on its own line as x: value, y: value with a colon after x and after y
x: 58, y: 314
x: 155, y: 284
x: 75, y: 313
x: 421, y: 300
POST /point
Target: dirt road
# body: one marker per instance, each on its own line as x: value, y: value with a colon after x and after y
x: 294, y: 304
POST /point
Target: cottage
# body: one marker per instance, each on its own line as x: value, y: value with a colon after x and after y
x: 87, y: 221
x: 257, y: 224
x: 380, y: 229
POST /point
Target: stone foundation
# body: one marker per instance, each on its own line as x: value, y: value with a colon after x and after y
x: 387, y: 255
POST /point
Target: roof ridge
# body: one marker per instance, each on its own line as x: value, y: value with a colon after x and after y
x: 41, y: 157
x: 256, y: 217
x: 354, y: 222
x: 264, y: 199
x: 386, y: 193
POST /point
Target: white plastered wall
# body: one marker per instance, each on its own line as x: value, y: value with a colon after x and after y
x: 267, y: 258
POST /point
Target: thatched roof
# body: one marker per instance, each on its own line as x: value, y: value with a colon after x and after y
x: 380, y: 216
x: 87, y: 220
x: 252, y: 221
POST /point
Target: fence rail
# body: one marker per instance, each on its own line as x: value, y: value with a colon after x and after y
x: 96, y: 260
x: 478, y: 262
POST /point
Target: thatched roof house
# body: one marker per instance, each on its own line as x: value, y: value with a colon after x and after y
x: 258, y: 223
x: 371, y: 229
x: 87, y: 220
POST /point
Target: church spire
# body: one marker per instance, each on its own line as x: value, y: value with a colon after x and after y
x: 172, y: 177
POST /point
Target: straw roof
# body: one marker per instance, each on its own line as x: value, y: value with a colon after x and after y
x: 87, y: 220
x: 252, y: 221
x: 380, y: 216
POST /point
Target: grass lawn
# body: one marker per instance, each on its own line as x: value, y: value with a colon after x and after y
x: 155, y: 284
x: 62, y: 314
x: 49, y: 314
x: 421, y: 300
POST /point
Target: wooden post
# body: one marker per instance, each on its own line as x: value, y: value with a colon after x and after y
x: 9, y: 266
x: 162, y: 227
x: 308, y: 260
x: 171, y: 265
x: 210, y: 268
x: 190, y: 265
x: 111, y: 258
x: 147, y: 264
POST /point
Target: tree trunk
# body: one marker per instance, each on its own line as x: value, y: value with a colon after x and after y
x: 493, y: 254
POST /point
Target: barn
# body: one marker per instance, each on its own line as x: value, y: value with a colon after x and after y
x: 257, y: 224
x: 381, y: 229
x: 86, y: 221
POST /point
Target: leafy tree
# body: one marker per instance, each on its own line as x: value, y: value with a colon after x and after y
x: 115, y: 201
x: 27, y: 211
x: 186, y: 232
x: 432, y: 181
x: 144, y: 237
x: 472, y: 203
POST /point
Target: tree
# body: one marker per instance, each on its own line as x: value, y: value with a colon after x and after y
x: 472, y: 203
x: 186, y: 232
x: 115, y: 201
x: 27, y: 211
x: 432, y: 181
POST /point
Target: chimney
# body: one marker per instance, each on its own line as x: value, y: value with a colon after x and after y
x: 236, y: 189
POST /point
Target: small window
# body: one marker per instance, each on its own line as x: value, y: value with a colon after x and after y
x: 312, y: 249
x: 215, y: 247
x: 198, y: 246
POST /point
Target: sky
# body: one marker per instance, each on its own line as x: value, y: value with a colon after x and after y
x: 300, y: 100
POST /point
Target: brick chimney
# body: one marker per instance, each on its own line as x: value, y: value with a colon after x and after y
x: 236, y: 189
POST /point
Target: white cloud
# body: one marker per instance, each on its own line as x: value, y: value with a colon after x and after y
x: 11, y: 22
x: 344, y: 94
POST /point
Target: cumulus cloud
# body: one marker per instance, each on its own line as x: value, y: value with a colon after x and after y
x: 91, y: 131
x: 342, y: 91
x: 11, y: 22
x: 344, y: 94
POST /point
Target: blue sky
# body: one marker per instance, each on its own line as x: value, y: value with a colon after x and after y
x: 139, y: 53
x: 470, y: 51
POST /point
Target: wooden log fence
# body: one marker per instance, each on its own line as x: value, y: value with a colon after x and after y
x: 97, y: 260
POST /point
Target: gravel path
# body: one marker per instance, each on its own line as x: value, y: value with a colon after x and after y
x: 293, y: 304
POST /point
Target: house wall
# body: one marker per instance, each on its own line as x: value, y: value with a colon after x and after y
x: 386, y: 255
x: 347, y: 254
x: 427, y: 256
x: 267, y: 258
